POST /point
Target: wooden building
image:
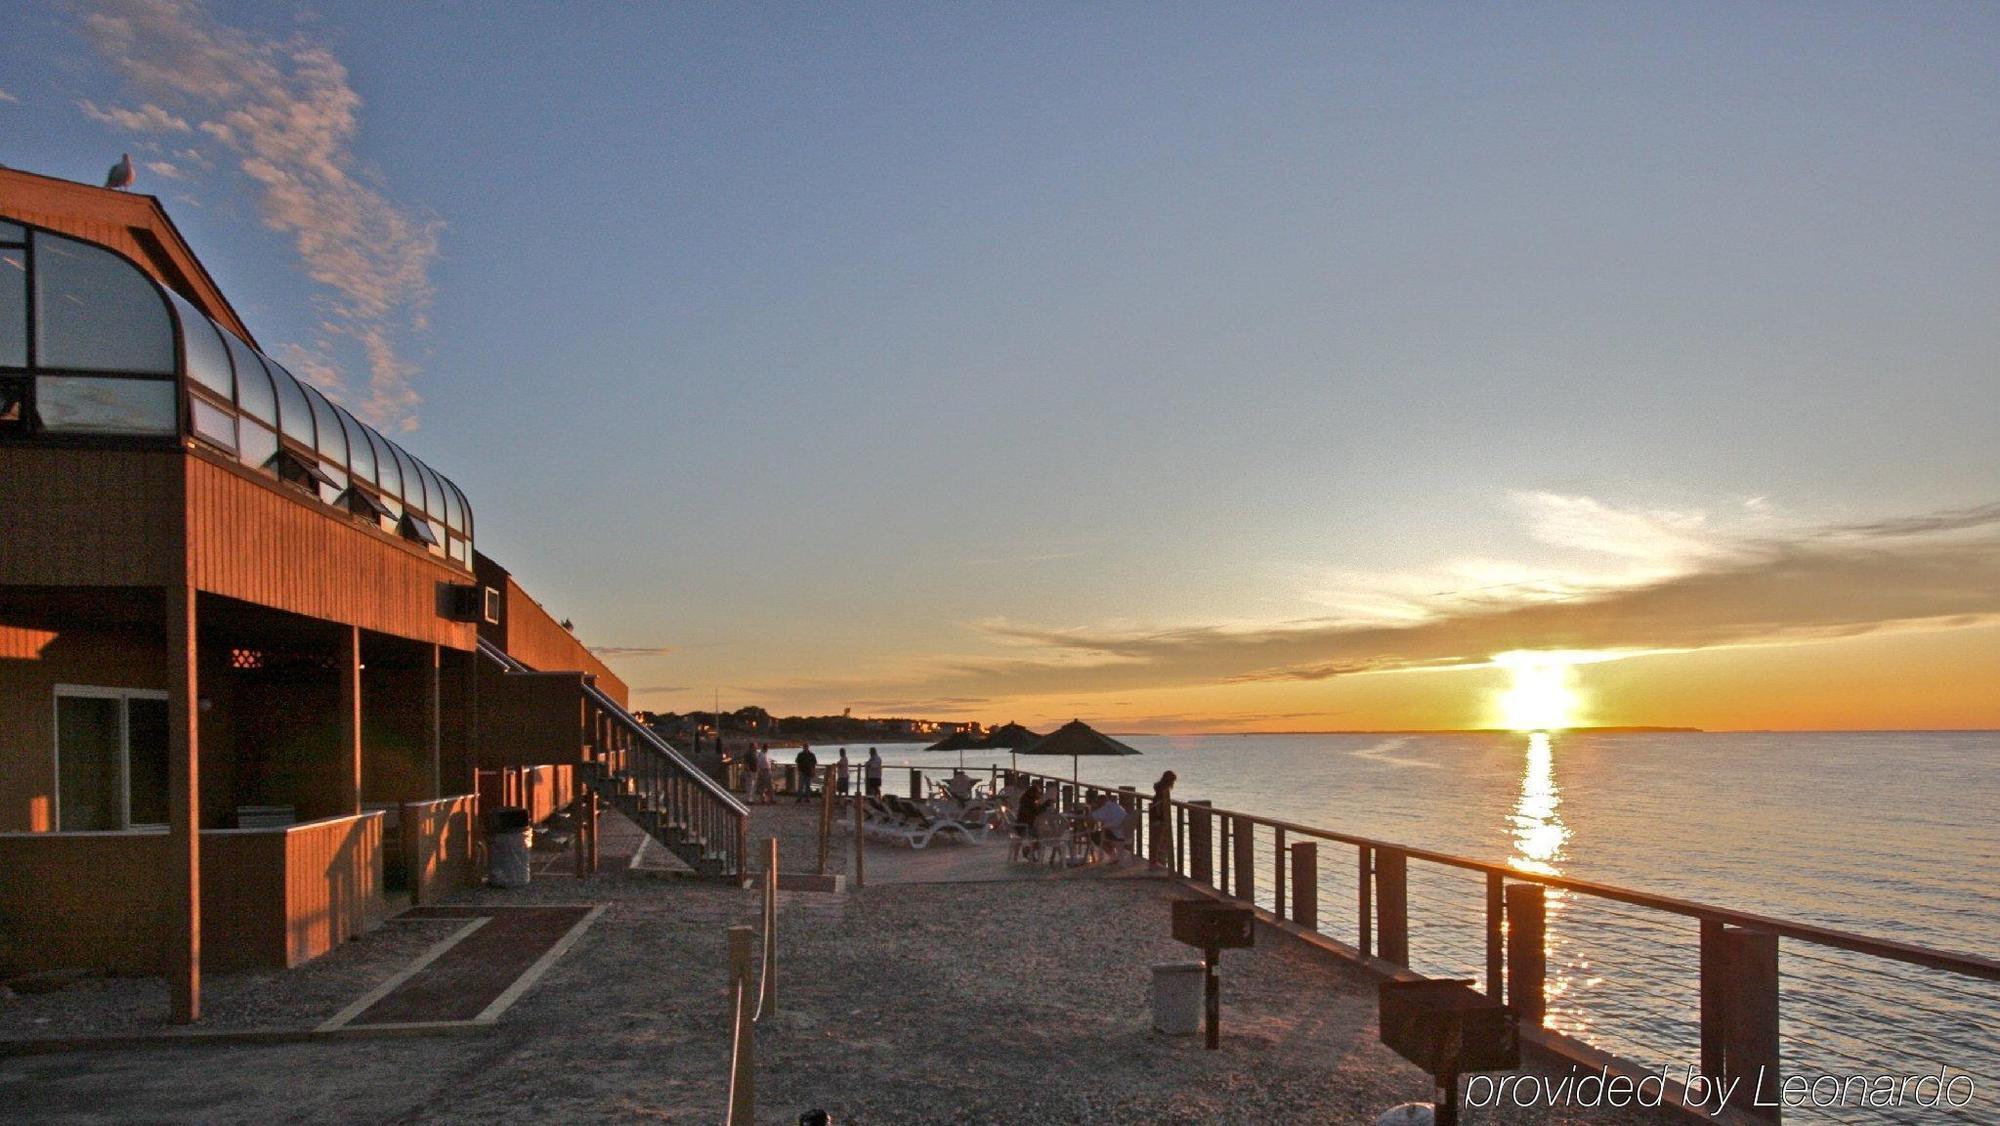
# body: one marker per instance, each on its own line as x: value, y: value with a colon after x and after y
x: 243, y: 634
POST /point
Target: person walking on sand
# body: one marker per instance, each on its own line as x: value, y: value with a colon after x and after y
x: 1158, y: 818
x: 767, y: 787
x: 871, y: 773
x: 840, y: 773
x: 808, y: 764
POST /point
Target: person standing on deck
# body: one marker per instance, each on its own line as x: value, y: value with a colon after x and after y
x: 808, y: 764
x: 871, y: 773
x: 767, y: 787
x: 840, y: 773
x: 1158, y: 818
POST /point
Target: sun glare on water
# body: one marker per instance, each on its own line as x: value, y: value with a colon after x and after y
x: 1541, y: 697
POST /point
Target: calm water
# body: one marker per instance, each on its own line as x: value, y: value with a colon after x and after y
x: 1894, y: 835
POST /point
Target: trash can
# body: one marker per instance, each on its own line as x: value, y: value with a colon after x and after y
x: 1178, y: 997
x: 508, y: 838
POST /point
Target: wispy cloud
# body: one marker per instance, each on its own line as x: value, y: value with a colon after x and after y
x: 164, y: 169
x: 5, y: 96
x: 285, y: 114
x: 631, y: 650
x: 1932, y: 571
x: 662, y: 689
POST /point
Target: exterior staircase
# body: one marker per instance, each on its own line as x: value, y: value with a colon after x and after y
x: 691, y: 815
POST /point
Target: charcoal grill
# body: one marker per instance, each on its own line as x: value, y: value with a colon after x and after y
x: 1448, y: 1029
x: 1212, y: 928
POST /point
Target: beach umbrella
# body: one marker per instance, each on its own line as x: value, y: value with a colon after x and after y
x: 957, y: 741
x: 1076, y: 739
x: 1010, y: 737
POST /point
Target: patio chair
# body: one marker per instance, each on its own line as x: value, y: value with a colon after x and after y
x: 922, y: 825
x: 1048, y: 840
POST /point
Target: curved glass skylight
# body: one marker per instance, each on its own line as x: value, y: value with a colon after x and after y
x: 92, y: 346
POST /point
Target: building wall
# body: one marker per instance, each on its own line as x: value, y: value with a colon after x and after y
x: 32, y: 663
x: 89, y: 517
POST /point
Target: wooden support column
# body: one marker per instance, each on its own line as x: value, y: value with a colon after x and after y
x: 1305, y: 884
x: 1740, y: 968
x: 1527, y: 954
x: 183, y: 954
x: 434, y: 722
x: 1245, y: 841
x: 1392, y: 906
x: 1201, y: 845
x: 350, y: 714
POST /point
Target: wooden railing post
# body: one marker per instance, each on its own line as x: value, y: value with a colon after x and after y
x: 743, y: 1049
x: 1201, y: 846
x: 1180, y: 832
x: 1739, y: 1015
x: 1280, y: 860
x: 1365, y: 893
x: 916, y: 784
x: 860, y: 844
x: 1392, y: 906
x: 825, y: 816
x: 1527, y: 953
x: 768, y: 1000
x: 1224, y: 828
x: 1305, y: 884
x: 1245, y: 840
x: 1495, y: 914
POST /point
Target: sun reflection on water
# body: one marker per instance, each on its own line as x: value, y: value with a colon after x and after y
x: 1539, y: 832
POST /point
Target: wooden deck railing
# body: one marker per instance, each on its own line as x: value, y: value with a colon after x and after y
x: 1732, y: 993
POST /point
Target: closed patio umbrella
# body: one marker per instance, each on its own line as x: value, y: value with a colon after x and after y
x: 1076, y: 739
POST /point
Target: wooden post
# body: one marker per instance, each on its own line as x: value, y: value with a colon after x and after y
x: 916, y: 784
x: 768, y: 1003
x: 1495, y: 912
x: 592, y: 802
x: 1527, y: 955
x: 1180, y: 816
x: 825, y: 817
x: 743, y: 1051
x: 1366, y: 893
x: 1201, y: 847
x: 742, y: 852
x: 1305, y: 884
x: 1224, y: 828
x: 1712, y: 999
x: 349, y: 725
x: 1246, y: 858
x: 860, y: 845
x: 183, y: 805
x: 1740, y: 965
x: 434, y: 722
x: 1280, y: 860
x: 1392, y: 906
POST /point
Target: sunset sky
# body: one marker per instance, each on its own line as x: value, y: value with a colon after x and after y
x: 1196, y: 368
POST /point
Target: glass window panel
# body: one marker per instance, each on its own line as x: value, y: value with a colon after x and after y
x: 13, y: 403
x: 256, y: 445
x: 207, y: 359
x: 413, y: 481
x: 454, y: 517
x: 90, y: 405
x: 433, y: 492
x: 330, y: 493
x: 212, y: 422
x: 294, y: 415
x: 360, y: 453
x: 14, y: 307
x: 10, y: 232
x: 146, y: 760
x: 89, y: 737
x: 437, y: 536
x: 253, y: 385
x: 95, y: 310
x: 464, y: 508
x: 332, y: 439
x: 388, y: 472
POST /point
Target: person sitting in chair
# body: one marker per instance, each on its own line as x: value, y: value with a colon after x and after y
x: 1110, y: 818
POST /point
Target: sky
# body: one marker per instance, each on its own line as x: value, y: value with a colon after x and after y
x: 1203, y: 367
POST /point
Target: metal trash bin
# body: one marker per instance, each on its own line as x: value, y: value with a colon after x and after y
x: 1178, y: 997
x: 508, y: 838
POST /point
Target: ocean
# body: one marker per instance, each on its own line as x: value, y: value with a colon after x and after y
x: 1888, y: 834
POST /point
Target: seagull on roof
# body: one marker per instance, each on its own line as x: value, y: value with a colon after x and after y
x: 120, y: 175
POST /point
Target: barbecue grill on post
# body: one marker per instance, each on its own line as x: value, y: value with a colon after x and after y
x: 1448, y: 1029
x: 1213, y: 927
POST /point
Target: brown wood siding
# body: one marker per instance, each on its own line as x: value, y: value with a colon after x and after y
x: 89, y: 517
x: 529, y: 719
x: 32, y: 662
x: 438, y: 841
x: 130, y: 223
x: 538, y: 640
x: 254, y: 543
x: 270, y: 898
x: 84, y: 899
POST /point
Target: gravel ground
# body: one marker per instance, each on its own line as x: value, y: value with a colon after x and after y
x: 797, y: 830
x: 990, y: 1003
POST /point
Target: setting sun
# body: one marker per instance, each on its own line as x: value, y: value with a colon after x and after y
x: 1541, y: 698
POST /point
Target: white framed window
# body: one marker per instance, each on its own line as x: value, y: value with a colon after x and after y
x: 111, y: 758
